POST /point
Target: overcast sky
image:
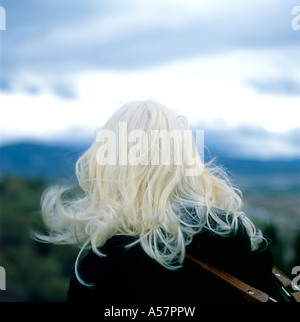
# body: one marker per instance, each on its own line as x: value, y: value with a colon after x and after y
x: 69, y: 64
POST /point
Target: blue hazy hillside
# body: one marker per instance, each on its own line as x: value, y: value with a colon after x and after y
x: 33, y: 160
x: 41, y: 272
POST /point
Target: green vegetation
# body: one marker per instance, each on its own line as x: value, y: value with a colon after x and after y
x: 34, y: 271
x: 41, y: 272
x: 277, y: 213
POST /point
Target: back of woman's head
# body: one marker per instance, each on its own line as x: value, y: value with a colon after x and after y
x: 144, y: 177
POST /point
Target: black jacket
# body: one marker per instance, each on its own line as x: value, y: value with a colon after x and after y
x: 131, y: 276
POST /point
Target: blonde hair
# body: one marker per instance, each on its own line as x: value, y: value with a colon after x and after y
x: 159, y: 204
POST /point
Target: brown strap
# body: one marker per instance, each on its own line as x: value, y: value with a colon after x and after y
x: 296, y: 296
x: 283, y: 279
x: 286, y: 283
x: 250, y: 293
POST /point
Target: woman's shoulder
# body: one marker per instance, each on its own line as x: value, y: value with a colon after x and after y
x: 125, y: 266
x: 233, y: 253
x: 120, y: 253
x: 209, y: 243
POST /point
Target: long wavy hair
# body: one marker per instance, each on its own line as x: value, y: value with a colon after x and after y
x: 159, y: 204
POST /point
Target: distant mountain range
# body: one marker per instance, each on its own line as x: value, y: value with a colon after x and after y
x: 32, y: 160
x: 57, y: 162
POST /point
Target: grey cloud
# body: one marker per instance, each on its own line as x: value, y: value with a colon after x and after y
x: 279, y: 86
x: 59, y: 37
x: 251, y: 142
x: 5, y: 85
x: 64, y: 91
